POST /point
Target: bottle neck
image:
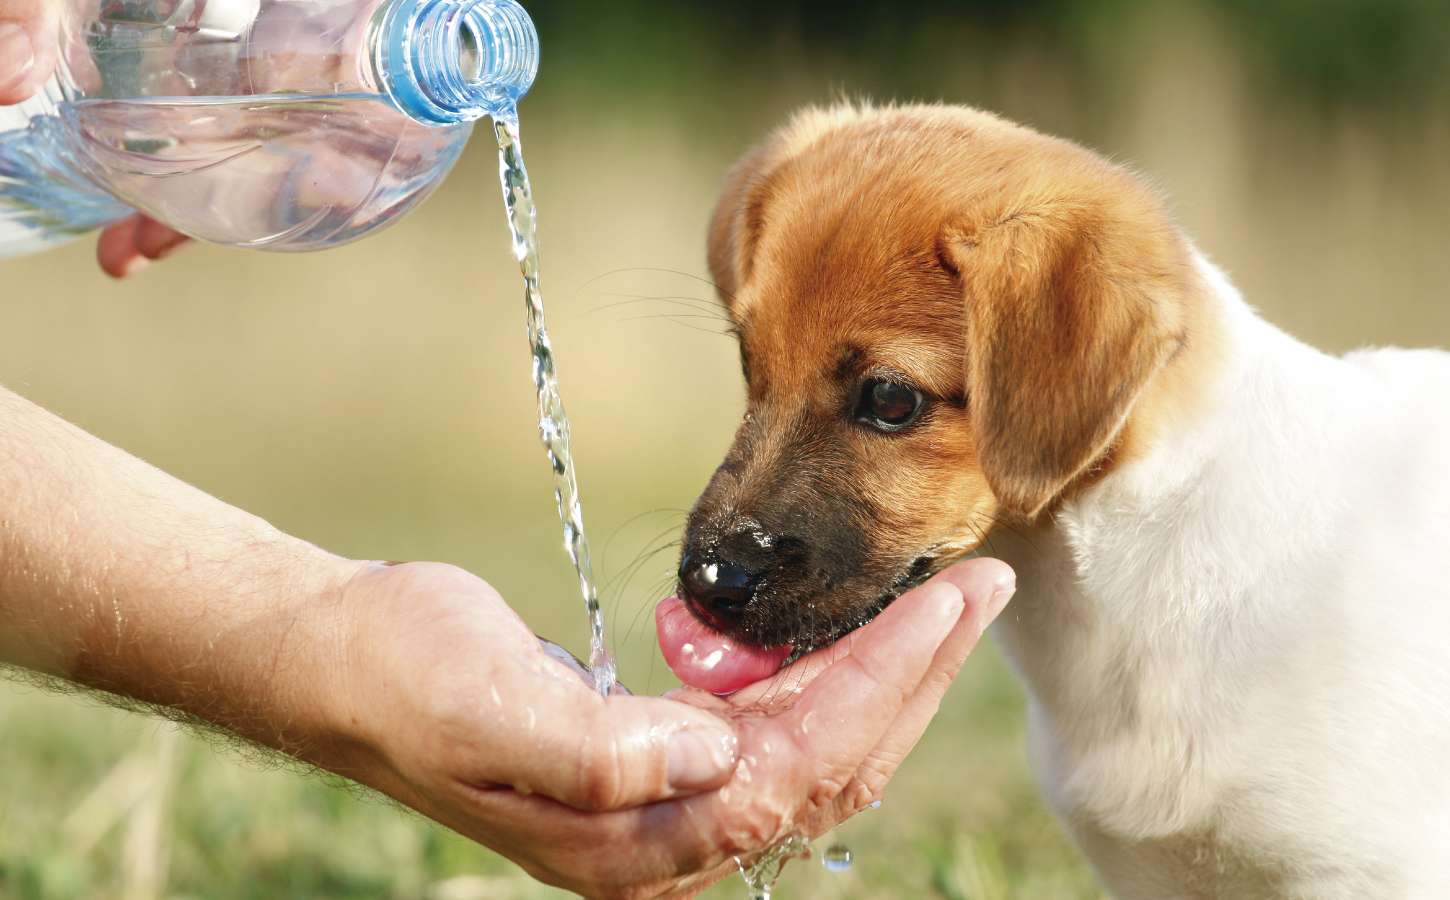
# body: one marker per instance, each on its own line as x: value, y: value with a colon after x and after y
x: 446, y: 61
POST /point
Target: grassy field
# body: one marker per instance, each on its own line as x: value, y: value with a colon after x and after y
x: 375, y: 400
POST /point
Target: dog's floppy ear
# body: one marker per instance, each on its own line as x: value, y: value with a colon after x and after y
x: 1070, y: 309
x: 744, y: 205
x: 739, y: 215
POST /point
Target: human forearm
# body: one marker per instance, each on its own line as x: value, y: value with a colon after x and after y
x: 117, y: 576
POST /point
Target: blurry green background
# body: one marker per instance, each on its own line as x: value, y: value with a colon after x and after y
x: 375, y: 399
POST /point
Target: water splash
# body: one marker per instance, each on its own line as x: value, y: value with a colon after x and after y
x: 760, y: 876
x: 518, y: 198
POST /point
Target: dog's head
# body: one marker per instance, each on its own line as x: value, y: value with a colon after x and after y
x: 945, y: 321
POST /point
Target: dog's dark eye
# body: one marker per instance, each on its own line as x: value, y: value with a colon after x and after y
x: 888, y: 405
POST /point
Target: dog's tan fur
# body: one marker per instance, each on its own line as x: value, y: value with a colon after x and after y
x: 1018, y: 272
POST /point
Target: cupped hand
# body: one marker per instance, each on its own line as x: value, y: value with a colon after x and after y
x: 473, y: 725
x: 448, y: 701
x: 28, y: 45
x: 820, y: 741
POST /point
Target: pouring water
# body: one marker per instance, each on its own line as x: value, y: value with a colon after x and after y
x: 518, y: 199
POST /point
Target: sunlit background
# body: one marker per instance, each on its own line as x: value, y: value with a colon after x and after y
x: 375, y: 399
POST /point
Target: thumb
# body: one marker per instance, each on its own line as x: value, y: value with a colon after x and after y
x: 626, y: 751
x: 27, y: 47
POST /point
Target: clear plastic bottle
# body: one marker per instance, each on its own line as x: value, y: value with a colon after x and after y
x: 279, y: 124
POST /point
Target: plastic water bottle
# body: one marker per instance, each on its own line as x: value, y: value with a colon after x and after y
x: 279, y: 124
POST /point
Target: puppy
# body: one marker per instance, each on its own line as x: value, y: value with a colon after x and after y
x: 1233, y: 550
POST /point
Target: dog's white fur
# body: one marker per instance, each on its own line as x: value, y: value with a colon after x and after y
x: 1235, y: 645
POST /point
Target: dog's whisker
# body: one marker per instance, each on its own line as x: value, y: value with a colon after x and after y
x: 647, y: 607
x: 673, y: 315
x: 618, y: 605
x: 650, y: 549
x: 654, y: 586
x: 659, y: 270
x: 616, y: 585
x: 685, y: 300
x: 677, y: 319
x: 634, y: 622
x: 709, y: 310
x: 633, y: 569
x: 619, y: 529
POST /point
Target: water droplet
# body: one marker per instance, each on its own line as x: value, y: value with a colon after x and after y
x: 875, y: 804
x: 837, y: 858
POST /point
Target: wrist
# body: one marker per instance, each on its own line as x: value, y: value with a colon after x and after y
x: 409, y: 667
x: 306, y: 704
x: 348, y: 714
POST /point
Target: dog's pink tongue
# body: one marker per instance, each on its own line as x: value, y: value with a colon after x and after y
x: 704, y: 658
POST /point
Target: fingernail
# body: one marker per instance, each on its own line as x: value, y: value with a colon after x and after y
x: 700, y: 758
x: 1002, y: 590
x: 16, y: 52
x: 133, y: 265
x: 949, y: 600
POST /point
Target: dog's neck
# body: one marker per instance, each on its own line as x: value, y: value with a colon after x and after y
x: 1150, y: 568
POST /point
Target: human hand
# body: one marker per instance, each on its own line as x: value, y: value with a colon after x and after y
x: 28, y: 44
x: 549, y: 774
x: 450, y: 703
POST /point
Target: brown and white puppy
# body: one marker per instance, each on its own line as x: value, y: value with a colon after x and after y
x: 1229, y: 545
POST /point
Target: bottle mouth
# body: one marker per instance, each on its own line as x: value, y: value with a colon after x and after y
x: 445, y: 61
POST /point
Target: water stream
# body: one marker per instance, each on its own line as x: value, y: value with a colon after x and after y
x: 518, y: 199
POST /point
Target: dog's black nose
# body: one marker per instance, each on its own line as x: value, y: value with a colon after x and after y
x: 717, y: 590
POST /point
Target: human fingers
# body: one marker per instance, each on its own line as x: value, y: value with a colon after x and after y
x: 130, y: 245
x: 156, y: 241
x: 795, y: 763
x: 116, y: 249
x: 781, y: 689
x: 594, y: 754
x: 27, y: 48
x: 987, y: 585
x: 581, y: 851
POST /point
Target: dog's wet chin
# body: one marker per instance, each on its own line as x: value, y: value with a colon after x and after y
x: 920, y: 569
